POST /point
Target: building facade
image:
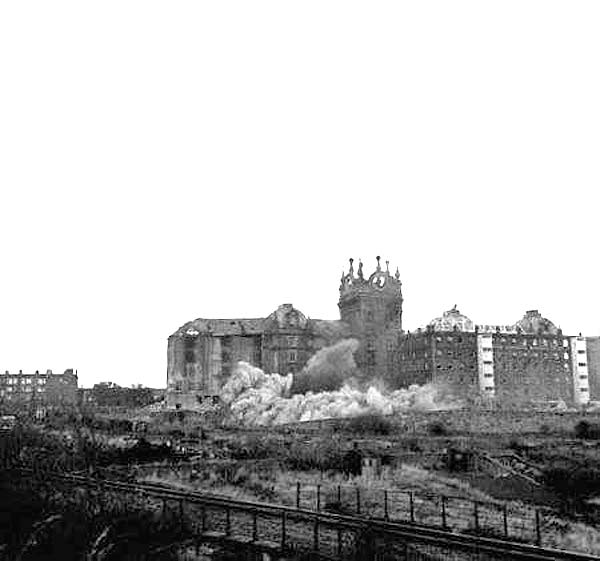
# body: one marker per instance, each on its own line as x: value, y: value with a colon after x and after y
x: 526, y: 363
x: 40, y: 388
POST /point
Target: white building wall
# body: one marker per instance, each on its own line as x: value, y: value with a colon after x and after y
x: 485, y: 365
x: 579, y: 369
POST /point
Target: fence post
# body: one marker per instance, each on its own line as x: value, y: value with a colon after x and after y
x: 203, y: 517
x: 357, y: 500
x: 412, y: 507
x: 538, y: 528
x: 339, y: 494
x: 254, y: 526
x: 476, y: 516
x: 386, y: 513
x: 339, y: 542
x: 227, y: 521
x: 316, y: 534
x: 181, y: 516
x: 318, y: 498
x: 283, y: 530
x: 298, y: 494
x: 444, y: 499
x: 505, y: 519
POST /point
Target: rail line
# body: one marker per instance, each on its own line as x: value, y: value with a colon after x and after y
x: 377, y: 534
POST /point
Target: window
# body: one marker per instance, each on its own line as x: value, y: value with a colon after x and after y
x: 488, y: 362
x: 292, y: 356
x: 583, y: 377
x: 581, y: 351
x: 583, y: 389
x: 489, y: 388
x: 581, y: 364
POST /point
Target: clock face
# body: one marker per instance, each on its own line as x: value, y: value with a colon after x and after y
x: 378, y: 280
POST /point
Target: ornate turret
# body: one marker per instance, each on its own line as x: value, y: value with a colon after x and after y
x: 379, y: 281
x: 372, y: 307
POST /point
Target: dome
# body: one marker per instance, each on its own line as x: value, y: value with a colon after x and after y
x: 451, y: 320
x: 533, y: 323
x: 286, y: 317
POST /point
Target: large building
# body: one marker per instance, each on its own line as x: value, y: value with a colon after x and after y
x: 40, y: 388
x: 525, y: 363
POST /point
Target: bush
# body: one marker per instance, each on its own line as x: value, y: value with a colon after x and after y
x: 370, y: 424
x: 586, y: 430
x: 573, y: 484
x: 437, y: 428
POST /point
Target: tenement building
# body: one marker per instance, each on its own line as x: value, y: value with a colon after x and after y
x: 40, y: 388
x: 526, y: 363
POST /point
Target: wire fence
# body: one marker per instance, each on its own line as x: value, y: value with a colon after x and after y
x: 448, y: 512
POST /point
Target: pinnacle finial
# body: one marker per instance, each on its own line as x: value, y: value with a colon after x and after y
x: 360, y: 269
x: 387, y: 267
x: 397, y: 274
x: 378, y: 265
x: 351, y: 272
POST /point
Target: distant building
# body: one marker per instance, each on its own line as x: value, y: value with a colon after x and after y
x: 528, y: 362
x: 49, y: 388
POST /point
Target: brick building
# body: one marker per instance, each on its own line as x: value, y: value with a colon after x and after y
x: 528, y: 362
x: 47, y: 388
x: 202, y: 352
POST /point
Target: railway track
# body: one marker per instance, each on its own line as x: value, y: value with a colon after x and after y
x: 330, y: 534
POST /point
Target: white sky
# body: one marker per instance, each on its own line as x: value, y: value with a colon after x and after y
x: 162, y: 161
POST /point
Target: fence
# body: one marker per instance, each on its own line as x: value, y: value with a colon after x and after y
x: 444, y: 511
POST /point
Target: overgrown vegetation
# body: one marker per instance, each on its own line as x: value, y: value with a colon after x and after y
x: 370, y: 423
x: 586, y: 430
x: 437, y: 428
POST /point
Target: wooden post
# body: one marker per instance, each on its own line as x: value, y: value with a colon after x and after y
x: 203, y: 518
x: 181, y: 516
x: 357, y: 500
x: 283, y: 530
x: 298, y: 494
x: 318, y: 498
x: 538, y: 528
x: 227, y: 521
x: 339, y: 494
x: 254, y: 526
x: 339, y: 542
x: 386, y: 513
x: 444, y: 512
x: 412, y: 507
x: 476, y: 515
x: 505, y: 519
x: 316, y: 534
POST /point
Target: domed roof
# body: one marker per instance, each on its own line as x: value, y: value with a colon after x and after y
x: 286, y: 316
x: 451, y: 320
x: 535, y: 324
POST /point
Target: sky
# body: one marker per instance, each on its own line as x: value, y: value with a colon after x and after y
x: 164, y: 161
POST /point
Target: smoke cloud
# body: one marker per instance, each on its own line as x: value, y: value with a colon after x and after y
x: 328, y: 369
x: 257, y: 398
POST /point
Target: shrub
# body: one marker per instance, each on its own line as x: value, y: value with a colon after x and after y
x: 586, y: 430
x: 372, y: 423
x: 573, y: 484
x: 437, y: 428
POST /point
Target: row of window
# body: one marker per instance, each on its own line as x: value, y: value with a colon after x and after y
x: 23, y: 381
x: 26, y: 389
